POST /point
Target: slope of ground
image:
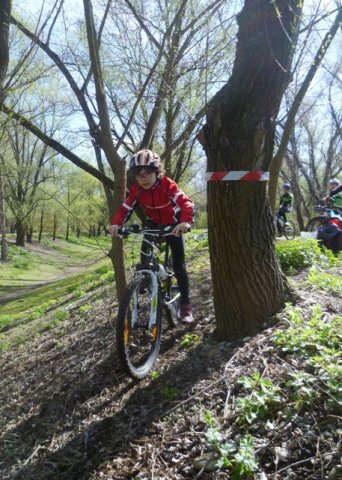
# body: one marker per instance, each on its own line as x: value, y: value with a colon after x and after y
x: 40, y: 263
x: 68, y: 412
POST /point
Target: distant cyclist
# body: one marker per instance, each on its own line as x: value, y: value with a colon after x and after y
x: 165, y: 205
x: 335, y: 195
x: 285, y: 205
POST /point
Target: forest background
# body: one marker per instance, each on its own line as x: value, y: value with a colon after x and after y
x: 44, y: 191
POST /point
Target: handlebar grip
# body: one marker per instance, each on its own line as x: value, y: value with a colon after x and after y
x: 123, y: 232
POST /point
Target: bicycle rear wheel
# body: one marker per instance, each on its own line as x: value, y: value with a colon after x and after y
x: 137, y: 344
x: 315, y: 223
x: 289, y: 230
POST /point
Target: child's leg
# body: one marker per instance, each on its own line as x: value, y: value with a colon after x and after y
x: 177, y: 246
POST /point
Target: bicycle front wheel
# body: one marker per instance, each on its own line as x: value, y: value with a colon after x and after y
x: 315, y: 223
x: 289, y: 230
x: 138, y: 343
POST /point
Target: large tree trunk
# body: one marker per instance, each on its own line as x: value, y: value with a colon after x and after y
x: 248, y: 284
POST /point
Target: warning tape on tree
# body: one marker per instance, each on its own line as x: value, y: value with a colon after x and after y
x: 238, y: 175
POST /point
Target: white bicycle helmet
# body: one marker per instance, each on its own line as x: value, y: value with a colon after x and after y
x: 334, y: 181
x: 145, y: 158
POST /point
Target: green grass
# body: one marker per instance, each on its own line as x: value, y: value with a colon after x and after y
x: 299, y: 254
x: 75, y: 286
x: 48, y: 260
x: 26, y: 268
x: 331, y: 282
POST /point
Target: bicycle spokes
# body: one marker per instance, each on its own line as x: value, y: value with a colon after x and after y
x: 139, y: 328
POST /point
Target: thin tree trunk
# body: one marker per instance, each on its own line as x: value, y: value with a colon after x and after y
x: 41, y: 223
x: 54, y: 233
x: 20, y: 233
x: 29, y: 234
x: 5, y: 14
x: 67, y: 230
x: 4, y: 249
x: 104, y: 139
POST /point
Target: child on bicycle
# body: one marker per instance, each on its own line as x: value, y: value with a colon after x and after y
x: 286, y: 204
x: 334, y: 193
x: 164, y: 204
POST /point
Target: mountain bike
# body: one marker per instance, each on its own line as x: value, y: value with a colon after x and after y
x: 327, y: 213
x: 152, y: 292
x: 284, y: 228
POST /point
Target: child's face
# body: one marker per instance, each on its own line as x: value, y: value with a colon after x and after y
x: 146, y: 178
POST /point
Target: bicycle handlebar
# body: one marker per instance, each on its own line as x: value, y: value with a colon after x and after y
x: 124, y: 232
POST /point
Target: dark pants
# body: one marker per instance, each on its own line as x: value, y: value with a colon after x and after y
x: 177, y: 247
x: 282, y: 213
x: 281, y: 216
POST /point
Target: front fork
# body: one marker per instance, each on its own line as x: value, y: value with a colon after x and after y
x: 154, y: 299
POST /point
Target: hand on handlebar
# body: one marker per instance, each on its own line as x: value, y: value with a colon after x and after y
x: 182, y: 227
x: 114, y: 230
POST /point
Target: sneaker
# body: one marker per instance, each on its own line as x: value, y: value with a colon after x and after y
x: 185, y: 313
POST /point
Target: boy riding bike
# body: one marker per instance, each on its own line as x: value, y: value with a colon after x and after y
x: 286, y: 204
x: 164, y: 204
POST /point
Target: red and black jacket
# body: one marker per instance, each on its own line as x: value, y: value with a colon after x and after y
x: 164, y: 203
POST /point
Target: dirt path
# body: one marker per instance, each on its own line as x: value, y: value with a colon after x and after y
x: 68, y: 268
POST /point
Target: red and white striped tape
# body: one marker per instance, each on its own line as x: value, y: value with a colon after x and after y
x: 242, y: 175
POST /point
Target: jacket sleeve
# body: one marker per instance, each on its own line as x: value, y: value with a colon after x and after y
x: 186, y: 205
x: 125, y: 211
x: 336, y: 190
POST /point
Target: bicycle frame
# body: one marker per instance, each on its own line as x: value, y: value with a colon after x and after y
x: 155, y: 281
x: 147, y: 297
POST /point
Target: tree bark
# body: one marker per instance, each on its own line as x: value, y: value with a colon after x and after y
x: 104, y: 139
x: 29, y: 234
x: 5, y: 13
x: 4, y: 249
x: 55, y: 224
x: 20, y: 233
x: 248, y: 284
x: 41, y: 224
